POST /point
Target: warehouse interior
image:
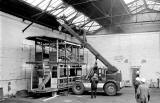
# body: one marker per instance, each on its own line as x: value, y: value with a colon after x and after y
x: 125, y: 32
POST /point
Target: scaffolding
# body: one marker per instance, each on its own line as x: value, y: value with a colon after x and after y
x: 58, y: 63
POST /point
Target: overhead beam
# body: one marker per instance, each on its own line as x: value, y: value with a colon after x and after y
x: 125, y: 6
x: 43, y: 13
x: 145, y: 4
x: 98, y: 9
x: 158, y: 1
x: 132, y: 2
x: 138, y: 8
x: 88, y: 1
x: 21, y: 9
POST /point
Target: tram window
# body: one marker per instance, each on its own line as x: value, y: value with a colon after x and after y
x: 54, y: 72
x: 72, y: 72
x: 100, y: 70
x: 79, y: 72
x: 63, y: 72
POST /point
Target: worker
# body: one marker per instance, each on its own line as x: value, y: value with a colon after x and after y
x: 137, y: 82
x: 9, y: 89
x: 143, y: 94
x: 94, y: 82
x: 95, y: 68
x: 158, y: 82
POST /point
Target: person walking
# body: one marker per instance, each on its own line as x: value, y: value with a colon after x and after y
x: 143, y: 93
x: 94, y: 82
x: 136, y: 82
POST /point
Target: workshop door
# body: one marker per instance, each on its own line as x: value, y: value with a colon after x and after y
x: 134, y: 70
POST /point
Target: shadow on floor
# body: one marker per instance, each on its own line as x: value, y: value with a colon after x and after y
x: 13, y: 101
x: 99, y: 94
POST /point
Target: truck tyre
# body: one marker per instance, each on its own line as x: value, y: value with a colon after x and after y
x: 110, y: 89
x: 78, y: 88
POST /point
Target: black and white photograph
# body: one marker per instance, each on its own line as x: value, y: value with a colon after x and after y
x: 79, y: 51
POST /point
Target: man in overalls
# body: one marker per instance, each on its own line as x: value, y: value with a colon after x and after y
x: 94, y: 82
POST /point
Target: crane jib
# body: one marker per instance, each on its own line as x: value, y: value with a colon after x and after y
x: 92, y: 50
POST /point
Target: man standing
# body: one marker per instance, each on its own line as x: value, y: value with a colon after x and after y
x: 143, y: 93
x: 94, y: 82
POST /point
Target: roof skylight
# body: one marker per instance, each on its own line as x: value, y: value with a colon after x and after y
x: 136, y: 6
x: 153, y: 4
x: 59, y: 9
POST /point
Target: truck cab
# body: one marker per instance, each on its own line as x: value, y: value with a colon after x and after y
x: 108, y: 82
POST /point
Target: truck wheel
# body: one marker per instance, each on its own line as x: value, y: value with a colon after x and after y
x: 110, y: 89
x: 78, y: 88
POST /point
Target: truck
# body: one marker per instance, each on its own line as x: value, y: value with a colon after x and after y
x: 109, y: 77
x: 109, y: 83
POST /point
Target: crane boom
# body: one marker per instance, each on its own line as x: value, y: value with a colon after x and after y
x: 91, y: 49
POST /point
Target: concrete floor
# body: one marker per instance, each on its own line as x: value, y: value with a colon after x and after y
x: 126, y: 95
